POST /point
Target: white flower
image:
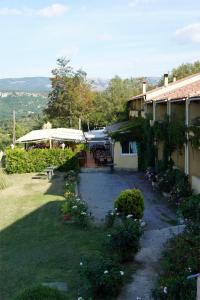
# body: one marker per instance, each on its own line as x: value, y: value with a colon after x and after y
x: 75, y: 206
x: 121, y: 273
x: 81, y: 263
x: 109, y: 235
x: 129, y: 216
x: 165, y: 290
x: 83, y: 213
x: 78, y: 199
x: 117, y: 214
x: 105, y: 272
x: 80, y: 298
x: 115, y: 208
x: 112, y: 213
x: 189, y: 269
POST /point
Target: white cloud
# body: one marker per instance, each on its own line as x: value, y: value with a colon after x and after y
x: 139, y: 3
x: 190, y: 33
x: 53, y: 10
x: 49, y: 11
x: 5, y: 11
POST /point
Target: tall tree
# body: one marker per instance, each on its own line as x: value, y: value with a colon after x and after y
x: 71, y: 96
x: 110, y: 104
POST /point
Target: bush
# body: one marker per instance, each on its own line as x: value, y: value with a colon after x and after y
x: 190, y: 209
x: 110, y: 219
x: 130, y: 202
x: 36, y: 160
x: 181, y: 187
x: 101, y: 278
x: 180, y: 259
x: 40, y: 292
x: 124, y: 240
x: 4, y: 182
x: 175, y: 182
x: 77, y: 211
x: 166, y: 180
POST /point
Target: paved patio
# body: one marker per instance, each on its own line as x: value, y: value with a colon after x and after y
x: 100, y: 189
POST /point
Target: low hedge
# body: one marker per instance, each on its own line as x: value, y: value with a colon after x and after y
x: 36, y: 160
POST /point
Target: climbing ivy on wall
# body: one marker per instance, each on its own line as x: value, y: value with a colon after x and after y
x: 139, y: 130
x: 172, y: 134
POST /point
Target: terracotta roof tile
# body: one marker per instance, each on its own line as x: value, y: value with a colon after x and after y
x: 180, y: 89
x: 190, y: 90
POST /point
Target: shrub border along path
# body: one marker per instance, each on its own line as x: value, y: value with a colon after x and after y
x: 100, y: 190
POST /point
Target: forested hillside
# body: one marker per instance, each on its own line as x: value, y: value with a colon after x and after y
x: 24, y: 105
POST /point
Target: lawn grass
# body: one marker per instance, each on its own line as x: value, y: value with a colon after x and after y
x: 35, y: 245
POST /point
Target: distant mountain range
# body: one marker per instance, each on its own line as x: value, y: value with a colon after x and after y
x: 26, y: 84
x: 43, y: 84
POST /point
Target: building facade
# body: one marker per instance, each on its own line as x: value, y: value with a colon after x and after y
x: 180, y: 101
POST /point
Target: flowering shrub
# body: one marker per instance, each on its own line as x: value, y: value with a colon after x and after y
x: 150, y: 174
x: 76, y: 210
x: 175, y: 182
x: 130, y: 202
x: 101, y: 278
x: 124, y: 240
x: 190, y: 209
x: 166, y: 180
x: 180, y: 259
x: 181, y: 187
x: 110, y: 219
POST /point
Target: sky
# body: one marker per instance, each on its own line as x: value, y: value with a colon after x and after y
x: 105, y: 38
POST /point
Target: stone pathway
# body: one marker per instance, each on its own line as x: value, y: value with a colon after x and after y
x: 152, y: 244
x: 100, y: 190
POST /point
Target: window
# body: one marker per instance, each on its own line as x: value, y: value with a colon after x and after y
x: 129, y: 148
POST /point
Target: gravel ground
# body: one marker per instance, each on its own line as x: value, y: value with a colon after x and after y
x: 100, y: 190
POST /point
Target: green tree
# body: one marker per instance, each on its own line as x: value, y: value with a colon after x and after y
x: 110, y: 105
x: 71, y: 96
x: 182, y: 71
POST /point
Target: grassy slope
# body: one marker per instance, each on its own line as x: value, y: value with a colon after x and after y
x: 34, y: 244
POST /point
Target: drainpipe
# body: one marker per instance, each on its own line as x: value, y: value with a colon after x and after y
x: 169, y: 109
x: 154, y: 111
x: 187, y: 102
